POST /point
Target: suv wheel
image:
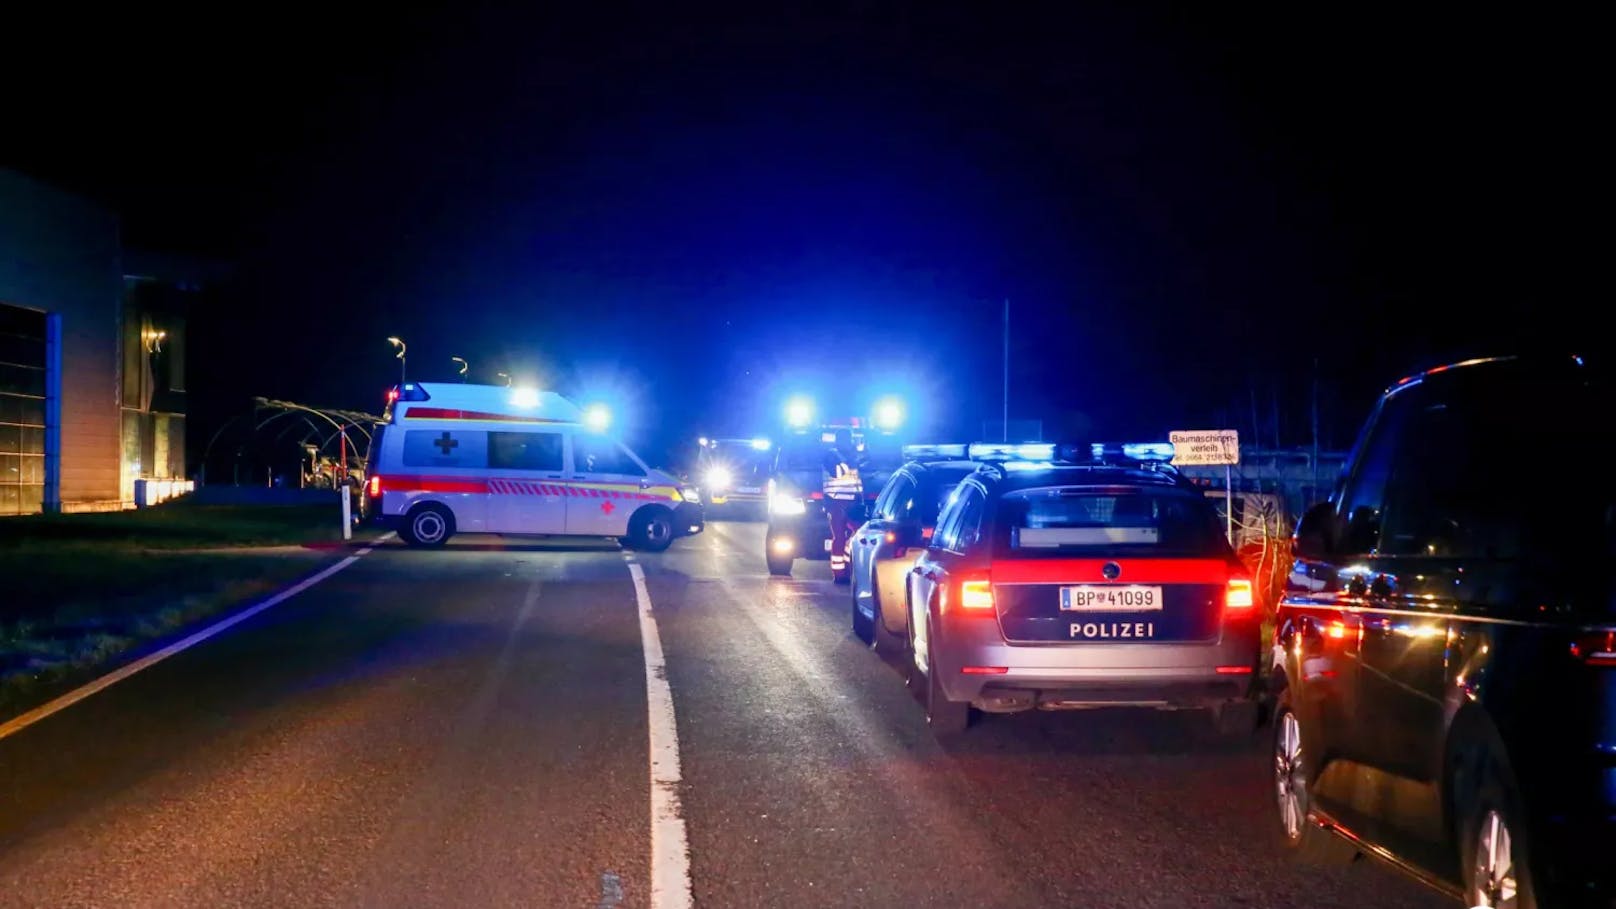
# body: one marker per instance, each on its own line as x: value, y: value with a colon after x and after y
x: 1302, y: 839
x: 1493, y: 848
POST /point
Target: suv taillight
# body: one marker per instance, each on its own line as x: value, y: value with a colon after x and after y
x: 373, y: 486
x: 1597, y: 648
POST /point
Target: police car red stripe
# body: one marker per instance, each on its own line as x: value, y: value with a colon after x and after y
x: 1092, y: 571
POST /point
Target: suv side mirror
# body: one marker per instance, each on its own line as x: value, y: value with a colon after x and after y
x: 1316, y: 531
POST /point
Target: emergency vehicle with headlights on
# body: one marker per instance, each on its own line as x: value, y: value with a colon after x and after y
x: 798, y: 525
x: 457, y: 458
x: 733, y: 473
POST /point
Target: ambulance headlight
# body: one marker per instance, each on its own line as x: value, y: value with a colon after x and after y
x: 786, y: 505
x: 690, y: 495
x: 718, y: 478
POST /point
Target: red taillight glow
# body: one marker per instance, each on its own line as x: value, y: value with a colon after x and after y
x: 1237, y: 596
x: 392, y: 396
x: 976, y: 596
x: 1234, y: 670
x: 985, y: 670
x: 1596, y: 649
x: 892, y: 536
x: 373, y: 486
x: 1338, y: 630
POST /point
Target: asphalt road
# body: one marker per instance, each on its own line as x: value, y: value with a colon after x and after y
x: 469, y: 727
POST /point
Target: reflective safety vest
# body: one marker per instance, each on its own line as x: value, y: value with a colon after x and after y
x: 844, y: 485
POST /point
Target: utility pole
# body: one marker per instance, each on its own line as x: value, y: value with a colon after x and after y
x: 1006, y: 427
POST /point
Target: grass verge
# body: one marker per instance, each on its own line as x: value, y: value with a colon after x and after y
x: 81, y: 593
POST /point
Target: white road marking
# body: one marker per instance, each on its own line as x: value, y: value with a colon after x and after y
x: 23, y: 721
x: 670, y: 849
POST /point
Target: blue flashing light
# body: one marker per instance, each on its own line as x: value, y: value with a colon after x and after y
x: 799, y: 412
x: 761, y: 444
x: 597, y: 417
x: 889, y: 414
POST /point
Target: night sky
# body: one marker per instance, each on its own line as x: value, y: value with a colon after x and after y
x: 1189, y: 209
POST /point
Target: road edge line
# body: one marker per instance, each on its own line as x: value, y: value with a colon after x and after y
x: 670, y: 847
x: 61, y: 702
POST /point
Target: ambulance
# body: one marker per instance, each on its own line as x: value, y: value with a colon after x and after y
x: 457, y: 458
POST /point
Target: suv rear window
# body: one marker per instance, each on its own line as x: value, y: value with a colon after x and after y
x: 1083, y: 519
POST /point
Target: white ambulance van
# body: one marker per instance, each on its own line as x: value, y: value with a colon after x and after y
x: 453, y: 458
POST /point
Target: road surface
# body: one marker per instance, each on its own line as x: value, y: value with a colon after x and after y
x: 469, y: 727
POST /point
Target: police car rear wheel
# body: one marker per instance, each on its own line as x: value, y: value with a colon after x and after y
x: 428, y: 526
x: 945, y: 717
x: 651, y: 530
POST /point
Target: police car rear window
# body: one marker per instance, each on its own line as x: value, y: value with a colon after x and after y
x: 1062, y: 519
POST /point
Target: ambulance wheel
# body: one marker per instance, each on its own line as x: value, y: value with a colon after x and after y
x: 651, y: 529
x: 428, y: 526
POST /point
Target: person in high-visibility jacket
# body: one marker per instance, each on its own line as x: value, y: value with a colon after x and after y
x: 843, y: 489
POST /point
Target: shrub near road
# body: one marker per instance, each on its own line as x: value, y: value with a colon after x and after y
x: 78, y: 592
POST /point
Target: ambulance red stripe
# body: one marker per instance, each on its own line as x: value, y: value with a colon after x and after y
x: 394, y: 483
x: 447, y: 413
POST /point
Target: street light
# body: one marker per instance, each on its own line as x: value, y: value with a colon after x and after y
x: 504, y: 375
x: 463, y: 366
x: 400, y: 345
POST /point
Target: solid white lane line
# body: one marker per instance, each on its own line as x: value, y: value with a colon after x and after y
x: 23, y: 721
x: 670, y: 850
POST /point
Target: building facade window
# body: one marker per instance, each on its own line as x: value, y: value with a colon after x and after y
x: 22, y: 410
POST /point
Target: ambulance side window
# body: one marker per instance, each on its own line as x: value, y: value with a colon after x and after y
x: 459, y: 448
x: 525, y: 451
x: 597, y: 455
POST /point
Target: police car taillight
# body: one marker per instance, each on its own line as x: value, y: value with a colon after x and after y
x: 1237, y: 598
x: 373, y: 486
x: 976, y: 595
x: 1596, y: 648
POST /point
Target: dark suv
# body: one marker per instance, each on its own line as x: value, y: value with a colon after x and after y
x: 1445, y: 655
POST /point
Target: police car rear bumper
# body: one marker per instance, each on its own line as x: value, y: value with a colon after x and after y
x: 976, y: 665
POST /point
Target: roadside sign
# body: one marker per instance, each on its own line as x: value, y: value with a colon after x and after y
x: 1205, y: 448
x: 1210, y: 448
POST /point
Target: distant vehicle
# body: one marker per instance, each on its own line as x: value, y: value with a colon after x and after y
x: 1085, y: 581
x: 456, y: 458
x: 899, y: 527
x: 1445, y: 653
x: 798, y: 526
x: 733, y: 474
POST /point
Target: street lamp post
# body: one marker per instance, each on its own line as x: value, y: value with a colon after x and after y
x: 400, y: 345
x: 463, y: 366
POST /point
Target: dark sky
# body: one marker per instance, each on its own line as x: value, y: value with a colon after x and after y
x: 698, y: 213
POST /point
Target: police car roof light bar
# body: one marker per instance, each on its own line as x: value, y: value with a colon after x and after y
x: 924, y: 452
x: 1023, y: 451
